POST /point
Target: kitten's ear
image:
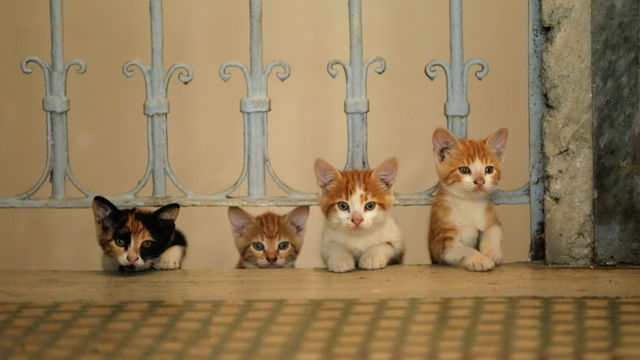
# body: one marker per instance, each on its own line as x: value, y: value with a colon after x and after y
x: 497, y: 142
x: 298, y: 219
x: 325, y: 173
x: 168, y: 212
x: 240, y: 220
x: 386, y: 172
x: 444, y: 144
x: 103, y: 208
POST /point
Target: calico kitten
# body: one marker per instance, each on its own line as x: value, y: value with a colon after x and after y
x: 269, y: 240
x: 358, y: 227
x: 135, y: 239
x: 463, y: 219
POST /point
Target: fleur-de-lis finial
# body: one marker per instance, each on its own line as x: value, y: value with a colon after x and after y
x: 456, y: 72
x: 156, y: 105
x: 255, y: 107
x: 356, y: 104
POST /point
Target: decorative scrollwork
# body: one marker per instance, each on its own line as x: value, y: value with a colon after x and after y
x: 127, y: 68
x: 185, y: 74
x: 382, y: 64
x: 283, y: 74
x: 480, y: 73
x: 24, y: 64
x: 82, y: 68
x: 431, y: 71
x: 46, y: 68
x: 333, y: 72
x: 224, y: 75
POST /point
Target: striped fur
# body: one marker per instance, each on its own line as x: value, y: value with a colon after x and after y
x: 464, y: 229
x: 358, y: 228
x: 271, y: 231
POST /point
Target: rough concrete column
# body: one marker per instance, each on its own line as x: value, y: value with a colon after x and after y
x: 568, y: 132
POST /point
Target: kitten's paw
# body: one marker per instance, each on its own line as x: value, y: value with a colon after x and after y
x: 493, y: 254
x: 340, y: 264
x: 166, y: 264
x: 170, y: 259
x: 372, y: 262
x: 478, y: 262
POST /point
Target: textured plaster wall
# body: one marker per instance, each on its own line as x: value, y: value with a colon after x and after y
x: 568, y: 132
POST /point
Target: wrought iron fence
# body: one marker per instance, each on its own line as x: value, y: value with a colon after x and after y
x: 255, y: 108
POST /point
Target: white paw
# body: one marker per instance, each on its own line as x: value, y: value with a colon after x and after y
x: 478, y: 262
x: 170, y: 259
x: 493, y: 254
x: 340, y: 264
x: 372, y: 262
x: 166, y: 264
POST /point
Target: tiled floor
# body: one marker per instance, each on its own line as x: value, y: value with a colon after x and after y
x: 480, y: 328
x: 314, y: 327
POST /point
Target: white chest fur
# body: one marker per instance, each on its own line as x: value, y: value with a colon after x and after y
x: 469, y: 217
x: 357, y: 241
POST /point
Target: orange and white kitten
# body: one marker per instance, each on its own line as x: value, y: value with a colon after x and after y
x: 463, y: 219
x: 358, y: 229
x: 269, y: 240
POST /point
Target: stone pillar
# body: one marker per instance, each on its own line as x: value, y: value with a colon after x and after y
x: 568, y: 132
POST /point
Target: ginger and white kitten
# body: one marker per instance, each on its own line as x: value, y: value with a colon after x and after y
x: 358, y: 229
x: 464, y: 229
x: 135, y: 239
x: 268, y: 240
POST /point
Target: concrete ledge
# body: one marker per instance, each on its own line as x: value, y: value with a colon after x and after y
x: 395, y: 282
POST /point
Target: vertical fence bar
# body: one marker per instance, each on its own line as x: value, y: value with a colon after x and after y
x: 56, y: 105
x: 356, y: 104
x: 537, y: 38
x: 156, y: 105
x: 158, y: 108
x: 457, y: 106
x: 57, y: 95
x: 356, y: 121
x: 257, y: 104
x: 256, y: 132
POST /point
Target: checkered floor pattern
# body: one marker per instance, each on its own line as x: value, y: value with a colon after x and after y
x: 477, y: 328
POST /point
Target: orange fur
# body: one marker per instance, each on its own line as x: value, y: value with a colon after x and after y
x: 138, y: 234
x: 270, y: 230
x: 358, y: 230
x: 461, y: 206
x: 346, y: 185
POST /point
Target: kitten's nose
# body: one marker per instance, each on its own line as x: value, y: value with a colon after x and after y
x: 271, y: 260
x: 479, y: 181
x: 356, y: 220
x: 132, y: 258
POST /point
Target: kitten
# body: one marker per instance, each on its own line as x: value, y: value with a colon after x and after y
x: 135, y: 239
x: 268, y: 240
x: 463, y: 219
x: 358, y: 227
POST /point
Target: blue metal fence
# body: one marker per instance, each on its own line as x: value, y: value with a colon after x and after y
x: 255, y: 108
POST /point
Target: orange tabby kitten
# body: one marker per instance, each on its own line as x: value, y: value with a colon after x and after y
x: 463, y: 219
x: 358, y: 228
x: 268, y: 240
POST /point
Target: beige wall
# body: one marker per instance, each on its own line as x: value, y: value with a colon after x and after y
x: 107, y: 127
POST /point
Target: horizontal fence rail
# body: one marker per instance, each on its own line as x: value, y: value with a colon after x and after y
x: 255, y: 108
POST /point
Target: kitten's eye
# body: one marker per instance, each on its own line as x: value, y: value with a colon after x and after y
x: 258, y: 246
x: 147, y: 243
x: 464, y: 170
x: 370, y: 206
x: 283, y: 245
x: 488, y: 170
x: 119, y: 242
x: 342, y: 205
